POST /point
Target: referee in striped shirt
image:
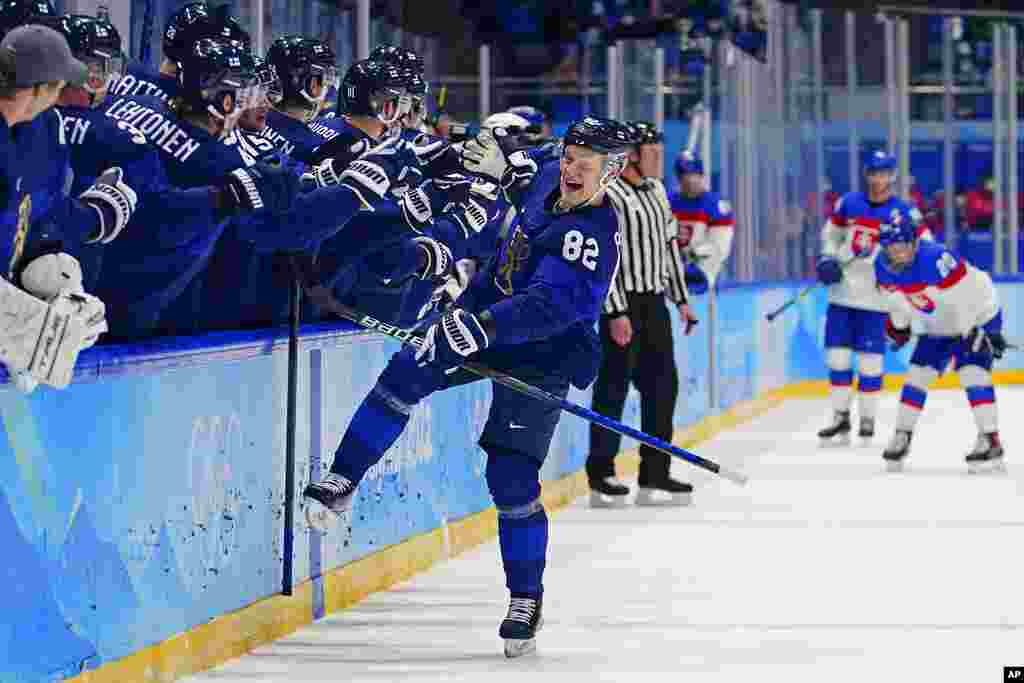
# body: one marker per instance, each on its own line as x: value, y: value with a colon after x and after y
x: 636, y: 330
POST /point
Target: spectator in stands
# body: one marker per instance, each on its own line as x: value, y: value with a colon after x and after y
x: 979, y: 205
x: 822, y: 209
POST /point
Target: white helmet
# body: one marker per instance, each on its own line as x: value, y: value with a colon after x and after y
x: 505, y: 120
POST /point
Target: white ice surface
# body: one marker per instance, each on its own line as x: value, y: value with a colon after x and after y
x: 824, y: 568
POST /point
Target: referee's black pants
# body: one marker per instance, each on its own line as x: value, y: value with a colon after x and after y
x: 648, y: 362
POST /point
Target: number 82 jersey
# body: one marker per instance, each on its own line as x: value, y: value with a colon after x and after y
x: 553, y: 270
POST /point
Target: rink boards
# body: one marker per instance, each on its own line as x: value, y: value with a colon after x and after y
x: 142, y: 509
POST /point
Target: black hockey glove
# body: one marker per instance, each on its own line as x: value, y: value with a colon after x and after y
x: 267, y: 185
x: 980, y: 341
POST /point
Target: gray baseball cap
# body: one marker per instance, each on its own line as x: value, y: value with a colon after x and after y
x: 42, y: 55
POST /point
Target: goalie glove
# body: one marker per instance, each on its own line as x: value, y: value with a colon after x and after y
x: 450, y: 341
x: 43, y: 339
x: 114, y: 201
x: 59, y: 276
x: 435, y: 259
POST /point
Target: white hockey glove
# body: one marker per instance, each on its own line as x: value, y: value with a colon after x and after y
x: 114, y: 201
x: 483, y: 155
x: 438, y: 259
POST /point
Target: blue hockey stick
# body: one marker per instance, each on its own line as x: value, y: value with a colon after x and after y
x: 324, y: 298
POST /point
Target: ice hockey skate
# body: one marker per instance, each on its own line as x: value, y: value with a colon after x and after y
x: 327, y: 501
x: 837, y: 433
x: 520, y: 626
x: 897, y: 450
x: 608, y: 492
x: 987, y: 455
x: 668, y: 493
x: 867, y: 428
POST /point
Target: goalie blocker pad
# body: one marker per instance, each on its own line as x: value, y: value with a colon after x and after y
x: 41, y: 338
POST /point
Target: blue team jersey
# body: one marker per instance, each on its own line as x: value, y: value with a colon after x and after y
x: 933, y: 266
x: 329, y: 127
x: 339, y: 139
x: 39, y: 213
x: 291, y: 136
x: 864, y: 218
x: 141, y: 81
x: 551, y: 274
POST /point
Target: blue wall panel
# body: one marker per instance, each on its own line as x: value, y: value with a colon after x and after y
x: 148, y: 497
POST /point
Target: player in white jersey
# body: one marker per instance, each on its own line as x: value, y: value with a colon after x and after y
x: 855, y: 321
x: 957, y: 307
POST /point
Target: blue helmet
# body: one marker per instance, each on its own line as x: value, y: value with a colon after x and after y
x: 880, y: 161
x: 899, y: 229
x: 688, y: 163
x: 604, y: 136
x: 535, y: 116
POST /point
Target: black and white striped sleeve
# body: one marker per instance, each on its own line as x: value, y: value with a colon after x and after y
x: 675, y: 262
x: 675, y: 272
x: 616, y: 304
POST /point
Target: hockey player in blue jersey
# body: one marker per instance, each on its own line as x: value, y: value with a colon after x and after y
x: 43, y: 169
x: 164, y: 243
x: 855, y: 321
x: 199, y: 144
x: 958, y: 309
x: 370, y: 95
x: 306, y: 71
x: 50, y: 319
x: 192, y: 22
x: 531, y: 313
x: 254, y: 117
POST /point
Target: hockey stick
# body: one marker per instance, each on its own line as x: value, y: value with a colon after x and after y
x: 792, y: 302
x: 294, y: 315
x: 800, y: 295
x: 696, y: 124
x: 324, y: 298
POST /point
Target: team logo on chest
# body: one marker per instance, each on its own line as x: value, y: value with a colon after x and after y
x: 513, y: 260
